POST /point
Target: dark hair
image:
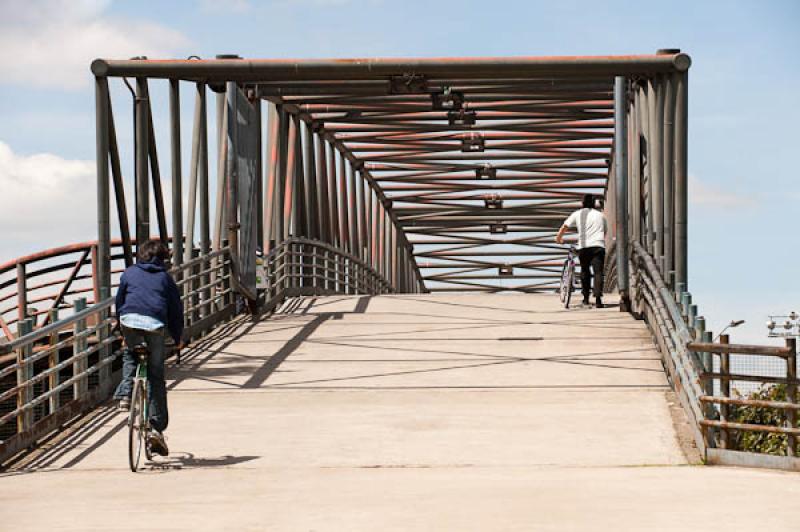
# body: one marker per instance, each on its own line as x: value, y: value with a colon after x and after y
x: 588, y: 201
x: 151, y: 250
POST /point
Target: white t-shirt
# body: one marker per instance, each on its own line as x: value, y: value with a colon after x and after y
x: 591, y: 226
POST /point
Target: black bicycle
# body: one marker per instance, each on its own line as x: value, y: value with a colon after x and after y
x: 568, y: 277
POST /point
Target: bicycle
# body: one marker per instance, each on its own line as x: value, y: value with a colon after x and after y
x: 568, y: 277
x: 139, y: 416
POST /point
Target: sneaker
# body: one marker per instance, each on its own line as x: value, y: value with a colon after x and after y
x: 124, y: 405
x: 598, y: 303
x: 158, y: 443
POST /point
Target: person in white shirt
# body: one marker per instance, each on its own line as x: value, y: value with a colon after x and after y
x: 591, y: 225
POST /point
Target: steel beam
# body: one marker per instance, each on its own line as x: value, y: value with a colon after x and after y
x: 308, y: 69
x: 102, y: 118
x: 142, y: 173
x: 177, y: 178
x: 681, y: 179
x: 621, y: 187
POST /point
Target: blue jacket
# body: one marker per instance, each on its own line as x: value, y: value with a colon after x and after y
x: 146, y: 288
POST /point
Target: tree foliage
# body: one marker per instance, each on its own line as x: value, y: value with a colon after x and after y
x: 761, y: 442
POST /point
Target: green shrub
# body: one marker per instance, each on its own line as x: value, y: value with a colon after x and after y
x: 761, y: 442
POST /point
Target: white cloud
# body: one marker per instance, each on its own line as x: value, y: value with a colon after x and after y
x: 51, y: 43
x: 45, y: 201
x: 708, y: 195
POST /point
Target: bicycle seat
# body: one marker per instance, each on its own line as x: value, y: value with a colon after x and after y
x: 140, y: 351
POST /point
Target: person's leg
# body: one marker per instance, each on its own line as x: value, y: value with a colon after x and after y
x: 598, y: 266
x: 159, y: 416
x: 585, y: 258
x: 124, y: 389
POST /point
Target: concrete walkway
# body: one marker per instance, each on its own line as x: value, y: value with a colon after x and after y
x: 463, y: 412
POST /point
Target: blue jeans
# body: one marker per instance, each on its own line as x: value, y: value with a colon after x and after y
x: 159, y: 416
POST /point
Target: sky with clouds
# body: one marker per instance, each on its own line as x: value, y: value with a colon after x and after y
x: 744, y: 250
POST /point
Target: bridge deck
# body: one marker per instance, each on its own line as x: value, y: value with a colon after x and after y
x: 399, y: 412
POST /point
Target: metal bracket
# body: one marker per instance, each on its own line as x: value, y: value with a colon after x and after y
x: 462, y: 118
x: 447, y: 100
x: 474, y: 142
x: 487, y: 171
x: 493, y: 201
x: 408, y: 84
x: 506, y: 270
x: 498, y: 228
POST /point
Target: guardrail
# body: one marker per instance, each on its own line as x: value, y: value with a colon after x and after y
x: 63, y: 368
x: 688, y: 355
x: 31, y: 287
x: 53, y: 373
x: 301, y: 266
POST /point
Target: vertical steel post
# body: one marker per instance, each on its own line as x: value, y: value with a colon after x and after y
x: 324, y: 201
x: 352, y: 209
x: 791, y: 394
x: 708, y: 385
x: 142, y: 171
x: 191, y: 201
x: 681, y: 178
x: 272, y: 175
x: 103, y: 265
x: 54, y: 402
x: 344, y: 202
x: 205, y: 218
x: 648, y: 110
x: 177, y: 178
x: 289, y: 217
x: 669, y: 187
x: 657, y: 172
x: 361, y: 185
x: 155, y: 173
x: 22, y: 292
x: 636, y: 166
x: 725, y: 390
x: 24, y: 374
x: 119, y: 188
x: 259, y: 188
x: 222, y: 174
x: 621, y: 184
x: 79, y: 345
x: 230, y: 139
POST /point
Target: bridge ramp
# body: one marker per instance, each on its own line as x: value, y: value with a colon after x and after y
x: 401, y: 412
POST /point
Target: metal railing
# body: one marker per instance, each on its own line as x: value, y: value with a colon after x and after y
x: 688, y: 353
x: 53, y: 373
x: 301, y: 266
x: 33, y: 286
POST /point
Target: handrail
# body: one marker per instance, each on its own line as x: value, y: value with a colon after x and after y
x: 740, y: 349
x: 687, y: 358
x: 48, y: 330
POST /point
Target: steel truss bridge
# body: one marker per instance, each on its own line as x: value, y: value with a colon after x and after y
x: 380, y: 176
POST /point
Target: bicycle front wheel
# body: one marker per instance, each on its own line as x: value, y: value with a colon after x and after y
x: 567, y: 281
x: 136, y: 426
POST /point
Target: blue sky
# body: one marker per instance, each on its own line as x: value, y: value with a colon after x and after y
x: 743, y: 114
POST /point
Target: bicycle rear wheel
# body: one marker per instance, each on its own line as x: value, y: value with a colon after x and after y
x: 136, y: 426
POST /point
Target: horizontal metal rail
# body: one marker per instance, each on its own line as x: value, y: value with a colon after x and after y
x: 342, y: 69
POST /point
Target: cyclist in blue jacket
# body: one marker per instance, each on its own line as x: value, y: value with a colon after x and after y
x: 148, y: 307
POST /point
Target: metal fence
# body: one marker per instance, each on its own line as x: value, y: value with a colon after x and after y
x: 53, y: 373
x: 690, y: 357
